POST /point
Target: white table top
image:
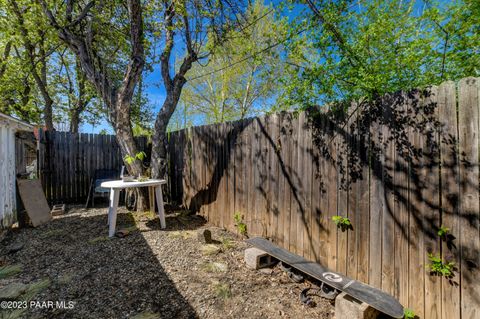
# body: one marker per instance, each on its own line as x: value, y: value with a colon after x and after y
x: 122, y: 184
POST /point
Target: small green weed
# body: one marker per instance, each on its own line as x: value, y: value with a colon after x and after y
x: 52, y: 233
x: 210, y: 249
x: 227, y: 243
x: 343, y: 223
x: 440, y: 268
x: 129, y: 159
x: 9, y: 270
x: 222, y: 291
x: 98, y: 240
x: 408, y: 314
x: 240, y: 224
x: 214, y: 267
x: 443, y: 232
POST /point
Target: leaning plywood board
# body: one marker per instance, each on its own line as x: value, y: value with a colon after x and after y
x: 34, y: 201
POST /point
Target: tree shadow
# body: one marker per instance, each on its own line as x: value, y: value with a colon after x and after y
x: 105, y: 278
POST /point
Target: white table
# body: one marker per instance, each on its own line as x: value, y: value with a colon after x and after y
x: 117, y: 186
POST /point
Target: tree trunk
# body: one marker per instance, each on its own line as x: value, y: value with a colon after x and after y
x: 47, y: 114
x: 159, y: 138
x: 74, y: 120
x: 128, y: 146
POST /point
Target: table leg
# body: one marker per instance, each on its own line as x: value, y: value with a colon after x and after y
x: 161, y: 211
x: 151, y: 198
x: 112, y: 213
x: 110, y: 204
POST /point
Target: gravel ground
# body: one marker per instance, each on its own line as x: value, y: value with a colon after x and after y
x: 151, y: 273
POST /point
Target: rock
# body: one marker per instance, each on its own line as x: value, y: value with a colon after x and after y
x: 12, y: 291
x: 205, y: 236
x: 13, y: 248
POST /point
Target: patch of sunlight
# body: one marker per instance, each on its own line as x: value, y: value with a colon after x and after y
x: 214, y: 267
x: 185, y: 234
x: 210, y: 249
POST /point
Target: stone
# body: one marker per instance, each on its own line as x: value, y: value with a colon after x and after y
x: 205, y: 236
x: 347, y: 307
x: 12, y: 291
x: 256, y: 258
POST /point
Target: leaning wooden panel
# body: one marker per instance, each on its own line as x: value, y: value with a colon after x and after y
x: 468, y: 128
x: 34, y: 201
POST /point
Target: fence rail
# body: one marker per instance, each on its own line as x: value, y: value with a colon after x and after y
x: 399, y: 168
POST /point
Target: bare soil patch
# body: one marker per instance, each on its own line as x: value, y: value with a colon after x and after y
x: 151, y: 273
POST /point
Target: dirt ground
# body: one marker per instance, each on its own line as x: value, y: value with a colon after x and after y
x: 151, y: 273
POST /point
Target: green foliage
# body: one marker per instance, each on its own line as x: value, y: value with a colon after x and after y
x: 365, y: 49
x: 440, y: 268
x: 408, y: 313
x: 9, y: 270
x: 240, y: 224
x: 129, y: 159
x: 342, y: 222
x: 219, y: 91
x: 222, y: 290
x: 443, y: 232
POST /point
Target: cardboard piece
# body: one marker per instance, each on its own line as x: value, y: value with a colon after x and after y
x: 34, y: 201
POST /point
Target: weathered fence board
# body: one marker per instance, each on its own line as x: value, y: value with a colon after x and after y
x: 399, y: 168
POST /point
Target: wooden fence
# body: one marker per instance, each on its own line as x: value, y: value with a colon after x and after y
x: 398, y: 168
x: 67, y: 162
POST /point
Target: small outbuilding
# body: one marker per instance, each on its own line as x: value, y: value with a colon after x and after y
x: 10, y: 128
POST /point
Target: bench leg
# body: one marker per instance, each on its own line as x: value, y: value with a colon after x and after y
x: 161, y: 211
x: 112, y: 212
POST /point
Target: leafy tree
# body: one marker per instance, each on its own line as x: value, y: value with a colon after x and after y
x: 36, y: 47
x: 364, y: 49
x: 108, y: 39
x: 222, y: 90
x: 75, y: 94
x: 112, y: 62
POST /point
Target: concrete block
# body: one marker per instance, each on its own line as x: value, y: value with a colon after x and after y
x: 347, y: 307
x: 256, y: 258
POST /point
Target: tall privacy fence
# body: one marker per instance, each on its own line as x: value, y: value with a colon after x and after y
x: 67, y: 162
x: 399, y: 168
